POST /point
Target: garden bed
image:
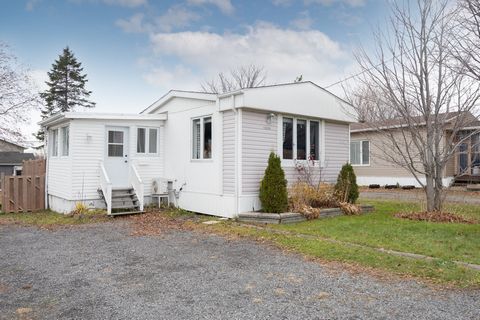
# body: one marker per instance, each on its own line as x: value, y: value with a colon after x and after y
x: 292, y: 217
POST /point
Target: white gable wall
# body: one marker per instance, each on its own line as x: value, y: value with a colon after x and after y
x: 200, y: 180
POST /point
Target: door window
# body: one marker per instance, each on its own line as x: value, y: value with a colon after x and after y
x: 115, y: 143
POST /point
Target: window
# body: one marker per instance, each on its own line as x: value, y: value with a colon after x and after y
x: 202, y: 138
x: 196, y: 139
x: 141, y: 140
x: 55, y: 142
x: 144, y: 140
x: 65, y: 140
x: 314, y: 140
x: 306, y: 134
x: 152, y: 140
x: 115, y: 143
x: 287, y: 138
x: 360, y: 152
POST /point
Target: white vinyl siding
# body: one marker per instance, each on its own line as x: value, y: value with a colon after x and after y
x: 77, y: 177
x: 228, y: 152
x: 259, y: 138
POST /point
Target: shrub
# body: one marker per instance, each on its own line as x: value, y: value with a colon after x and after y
x: 346, y: 188
x: 273, y: 187
x: 302, y: 194
x: 307, y: 200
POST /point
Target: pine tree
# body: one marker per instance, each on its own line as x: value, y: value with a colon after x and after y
x: 66, y: 87
x: 346, y: 188
x: 273, y: 188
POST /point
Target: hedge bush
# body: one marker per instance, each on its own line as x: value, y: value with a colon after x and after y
x: 273, y: 187
x: 346, y: 188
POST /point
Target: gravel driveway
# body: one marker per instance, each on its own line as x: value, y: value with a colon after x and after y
x: 101, y: 272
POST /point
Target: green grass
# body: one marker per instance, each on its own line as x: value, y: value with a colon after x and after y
x: 380, y: 229
x: 447, y: 242
x: 49, y: 218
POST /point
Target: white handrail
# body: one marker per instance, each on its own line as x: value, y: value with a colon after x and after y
x: 137, y: 185
x: 106, y: 186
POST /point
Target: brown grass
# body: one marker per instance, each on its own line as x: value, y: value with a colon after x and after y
x: 442, y: 217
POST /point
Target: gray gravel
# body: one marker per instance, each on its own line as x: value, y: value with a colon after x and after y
x: 100, y: 272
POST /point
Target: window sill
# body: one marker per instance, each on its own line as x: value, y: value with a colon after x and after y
x: 360, y: 165
x: 201, y: 160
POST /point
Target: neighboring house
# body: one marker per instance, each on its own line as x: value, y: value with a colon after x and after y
x: 367, y: 154
x: 11, y: 162
x: 212, y: 149
x: 10, y: 146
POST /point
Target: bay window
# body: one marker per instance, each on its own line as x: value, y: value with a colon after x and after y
x: 360, y: 153
x: 202, y: 138
x: 301, y: 139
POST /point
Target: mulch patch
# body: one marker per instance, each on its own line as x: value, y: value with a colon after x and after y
x: 156, y: 223
x: 444, y: 217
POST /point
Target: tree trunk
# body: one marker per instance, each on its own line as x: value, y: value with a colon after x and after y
x: 430, y: 192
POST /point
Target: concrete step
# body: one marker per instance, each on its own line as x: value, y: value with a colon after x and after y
x: 121, y: 213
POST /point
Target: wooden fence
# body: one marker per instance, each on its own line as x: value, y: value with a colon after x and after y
x: 26, y: 192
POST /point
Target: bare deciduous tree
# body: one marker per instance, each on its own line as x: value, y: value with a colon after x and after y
x: 17, y: 96
x: 467, y: 46
x: 243, y: 77
x: 414, y: 74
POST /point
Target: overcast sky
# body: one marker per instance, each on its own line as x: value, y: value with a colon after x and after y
x: 135, y: 50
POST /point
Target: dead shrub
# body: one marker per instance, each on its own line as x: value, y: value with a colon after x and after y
x: 307, y: 199
x: 435, y: 216
x: 350, y: 209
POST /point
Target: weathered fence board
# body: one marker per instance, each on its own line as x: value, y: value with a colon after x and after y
x: 26, y: 192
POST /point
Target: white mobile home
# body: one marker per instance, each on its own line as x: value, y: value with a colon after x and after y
x: 212, y: 149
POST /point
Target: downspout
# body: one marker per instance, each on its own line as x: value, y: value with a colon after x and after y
x: 47, y: 163
x: 237, y: 171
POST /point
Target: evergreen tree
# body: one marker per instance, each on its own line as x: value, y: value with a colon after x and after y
x: 273, y: 188
x: 346, y: 188
x: 66, y: 87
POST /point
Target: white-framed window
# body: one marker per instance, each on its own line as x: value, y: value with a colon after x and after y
x: 360, y: 153
x: 54, y: 143
x: 147, y: 140
x: 202, y: 138
x: 65, y: 133
x: 300, y: 139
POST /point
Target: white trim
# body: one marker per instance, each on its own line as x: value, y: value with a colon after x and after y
x: 100, y: 116
x: 240, y: 152
x: 147, y: 152
x: 178, y: 94
x: 202, y: 141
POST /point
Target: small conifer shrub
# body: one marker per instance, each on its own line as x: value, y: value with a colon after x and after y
x: 273, y: 187
x: 346, y: 188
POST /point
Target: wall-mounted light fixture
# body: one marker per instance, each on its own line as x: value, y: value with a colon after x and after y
x: 270, y: 117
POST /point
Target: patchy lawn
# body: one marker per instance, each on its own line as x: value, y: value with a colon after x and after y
x: 50, y: 219
x: 447, y: 242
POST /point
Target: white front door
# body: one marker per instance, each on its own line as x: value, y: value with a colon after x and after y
x: 117, y: 156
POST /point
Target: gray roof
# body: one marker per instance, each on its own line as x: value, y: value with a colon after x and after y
x: 16, y: 158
